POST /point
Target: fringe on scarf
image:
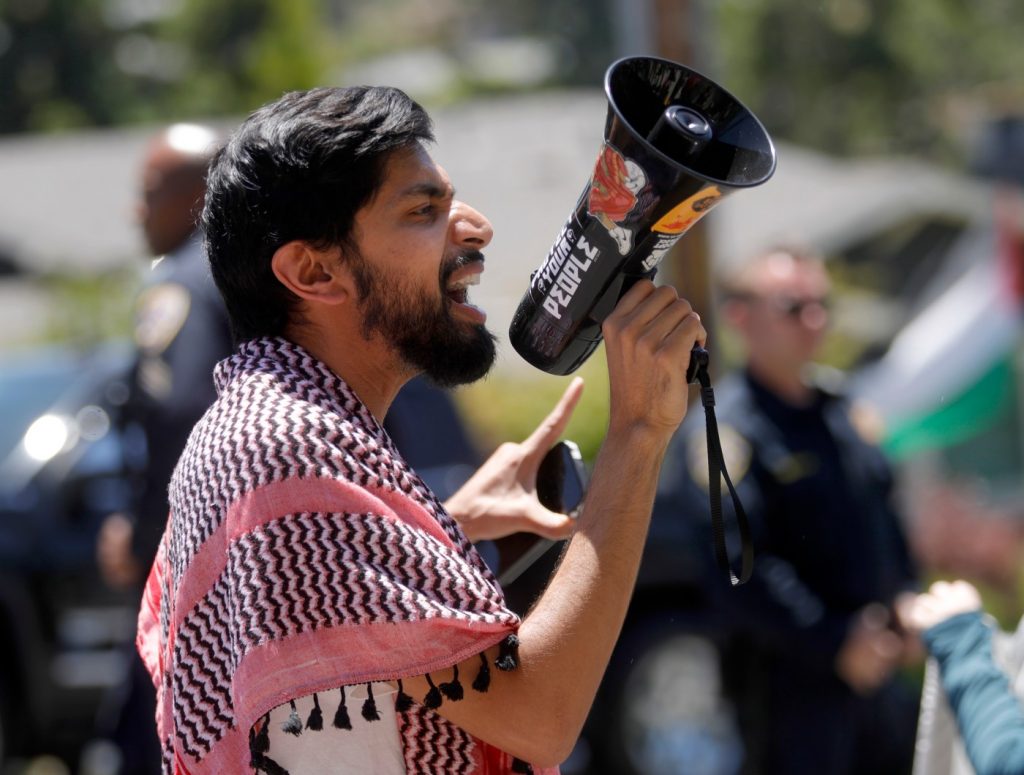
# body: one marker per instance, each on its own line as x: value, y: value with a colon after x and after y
x: 259, y: 739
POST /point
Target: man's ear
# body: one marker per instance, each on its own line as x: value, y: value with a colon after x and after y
x: 312, y: 274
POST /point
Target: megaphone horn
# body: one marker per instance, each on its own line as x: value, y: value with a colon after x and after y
x: 675, y: 144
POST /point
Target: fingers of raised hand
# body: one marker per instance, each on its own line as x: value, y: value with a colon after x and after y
x: 953, y: 597
x: 943, y: 600
x: 651, y: 320
x: 638, y: 307
x: 552, y: 426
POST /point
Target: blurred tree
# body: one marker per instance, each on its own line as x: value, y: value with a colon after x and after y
x: 846, y: 76
x: 870, y: 76
x: 241, y: 53
x: 73, y: 63
x: 55, y: 68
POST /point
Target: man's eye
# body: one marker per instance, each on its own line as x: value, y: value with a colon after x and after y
x: 425, y: 210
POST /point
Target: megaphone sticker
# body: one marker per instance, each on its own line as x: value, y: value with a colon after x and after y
x: 661, y: 247
x: 673, y: 224
x: 615, y: 189
x: 688, y: 212
x: 559, y: 277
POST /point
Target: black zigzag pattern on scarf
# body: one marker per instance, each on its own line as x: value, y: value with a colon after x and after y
x: 302, y: 572
x: 205, y: 656
x: 433, y: 745
x: 282, y: 414
x: 167, y: 758
x: 305, y: 571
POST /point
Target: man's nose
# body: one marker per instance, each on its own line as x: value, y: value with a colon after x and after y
x: 814, y: 316
x: 469, y: 227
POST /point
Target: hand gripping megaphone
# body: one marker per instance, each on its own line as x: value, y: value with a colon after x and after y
x: 675, y: 144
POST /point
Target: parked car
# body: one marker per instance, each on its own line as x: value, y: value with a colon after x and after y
x: 61, y: 461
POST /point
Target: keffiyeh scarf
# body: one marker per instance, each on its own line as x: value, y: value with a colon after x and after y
x: 302, y: 555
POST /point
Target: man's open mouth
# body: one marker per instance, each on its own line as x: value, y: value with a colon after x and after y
x: 458, y: 283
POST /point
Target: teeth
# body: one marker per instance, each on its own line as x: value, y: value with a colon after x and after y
x: 461, y: 285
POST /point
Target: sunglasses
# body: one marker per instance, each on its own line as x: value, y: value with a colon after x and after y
x: 787, y: 306
x: 794, y: 308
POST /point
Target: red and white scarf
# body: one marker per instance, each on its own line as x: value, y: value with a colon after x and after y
x: 303, y: 555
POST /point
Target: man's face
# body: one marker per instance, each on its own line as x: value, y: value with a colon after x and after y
x: 417, y: 250
x: 170, y: 198
x: 787, y: 316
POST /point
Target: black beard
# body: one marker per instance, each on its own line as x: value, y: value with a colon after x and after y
x: 446, y: 351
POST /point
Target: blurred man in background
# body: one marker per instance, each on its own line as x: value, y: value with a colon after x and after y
x: 811, y: 642
x: 181, y: 332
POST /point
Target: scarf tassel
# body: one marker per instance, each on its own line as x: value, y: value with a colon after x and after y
x: 508, y: 659
x: 316, y: 716
x: 433, y: 699
x: 403, y: 702
x: 341, y: 719
x: 482, y: 682
x: 293, y: 726
x: 508, y: 654
x: 370, y: 706
x: 259, y: 744
x: 453, y: 689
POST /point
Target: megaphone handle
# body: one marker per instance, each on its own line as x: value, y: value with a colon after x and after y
x: 698, y: 360
x: 698, y: 372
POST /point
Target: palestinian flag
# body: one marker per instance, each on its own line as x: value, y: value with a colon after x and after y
x: 954, y: 372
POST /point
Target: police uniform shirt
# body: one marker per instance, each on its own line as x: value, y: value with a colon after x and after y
x: 181, y: 332
x: 818, y: 496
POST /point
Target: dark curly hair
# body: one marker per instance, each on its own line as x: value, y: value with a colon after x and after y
x: 297, y: 169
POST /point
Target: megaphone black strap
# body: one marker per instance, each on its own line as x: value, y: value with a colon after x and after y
x: 716, y: 469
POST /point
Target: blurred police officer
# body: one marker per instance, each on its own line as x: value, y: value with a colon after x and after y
x: 181, y: 332
x: 812, y: 644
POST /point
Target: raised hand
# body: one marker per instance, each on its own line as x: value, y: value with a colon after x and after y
x: 648, y: 340
x: 501, y: 497
x: 943, y: 600
x: 871, y: 651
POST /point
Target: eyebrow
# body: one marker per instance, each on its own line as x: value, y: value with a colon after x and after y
x: 430, y: 189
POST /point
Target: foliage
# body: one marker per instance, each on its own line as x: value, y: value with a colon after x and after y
x: 86, y: 309
x: 849, y: 76
x: 242, y: 53
x: 72, y: 63
x: 50, y: 74
x: 872, y: 76
x: 69, y: 63
x: 509, y: 405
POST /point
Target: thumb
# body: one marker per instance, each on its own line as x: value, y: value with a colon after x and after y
x: 550, y: 524
x: 551, y: 427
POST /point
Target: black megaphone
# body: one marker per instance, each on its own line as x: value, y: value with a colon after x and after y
x: 675, y: 143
